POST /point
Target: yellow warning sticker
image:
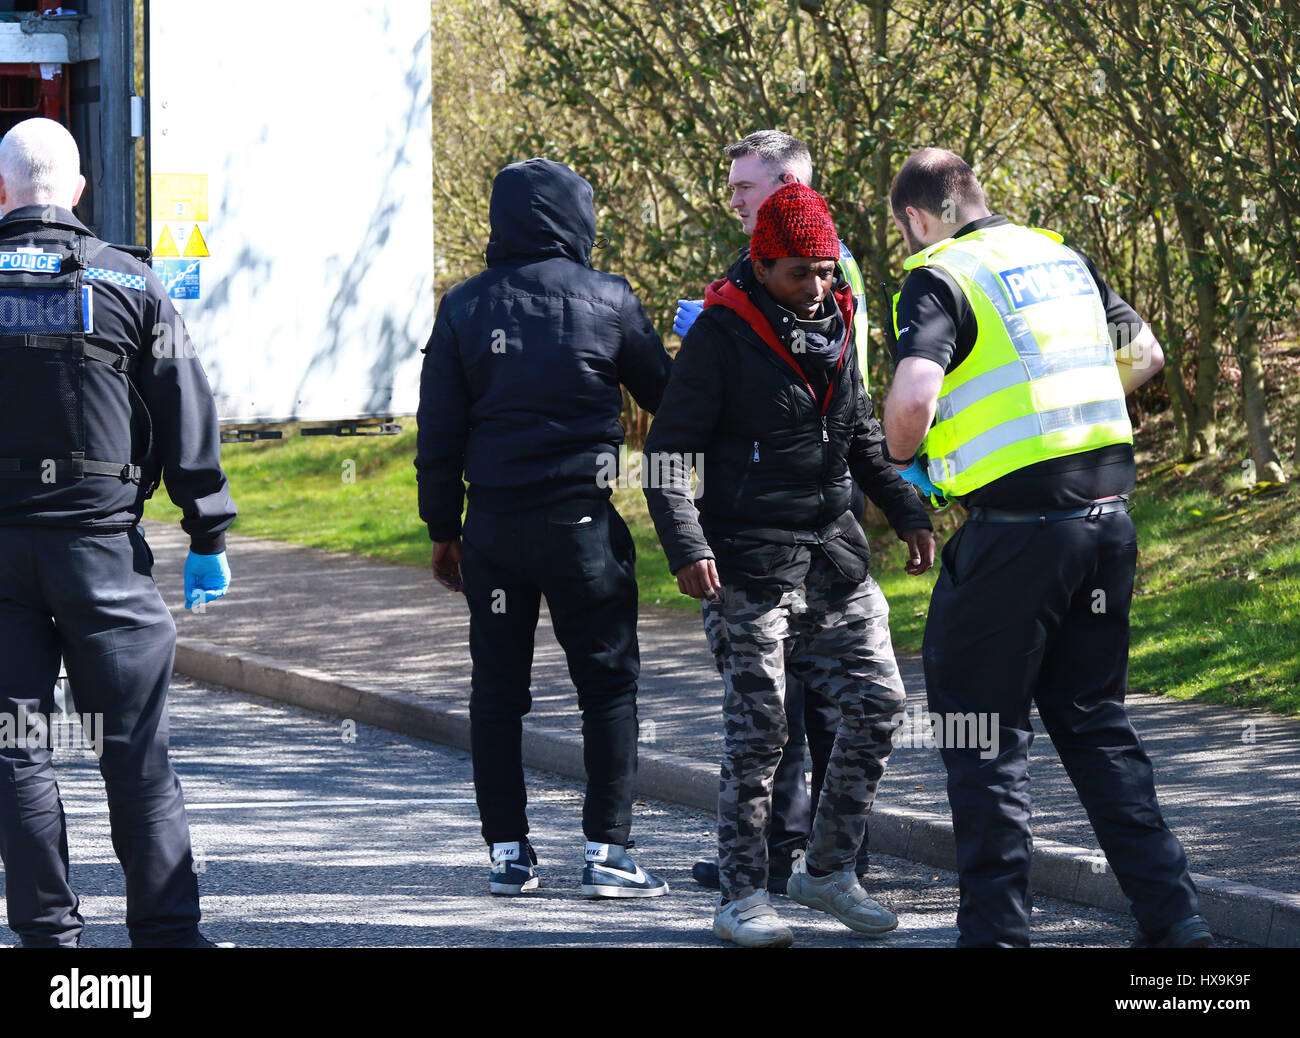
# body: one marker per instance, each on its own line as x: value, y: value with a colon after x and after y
x: 197, y: 245
x: 166, y: 244
x: 179, y: 196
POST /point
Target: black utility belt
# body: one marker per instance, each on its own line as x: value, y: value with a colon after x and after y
x: 1101, y: 506
x: 71, y: 344
x: 76, y: 467
x: 778, y: 535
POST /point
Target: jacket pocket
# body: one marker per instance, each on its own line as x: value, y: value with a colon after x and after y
x: 752, y: 457
x: 850, y: 554
x: 750, y: 562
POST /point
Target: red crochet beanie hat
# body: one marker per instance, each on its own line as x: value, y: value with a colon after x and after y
x: 794, y: 221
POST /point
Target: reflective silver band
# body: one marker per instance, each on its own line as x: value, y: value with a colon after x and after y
x: 1016, y: 372
x: 1026, y: 427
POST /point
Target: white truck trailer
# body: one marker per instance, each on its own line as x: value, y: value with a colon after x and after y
x: 287, y: 183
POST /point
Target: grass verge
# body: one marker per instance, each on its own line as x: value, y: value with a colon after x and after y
x: 1218, y: 592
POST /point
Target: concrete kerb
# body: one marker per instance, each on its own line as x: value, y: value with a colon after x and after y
x: 1237, y: 910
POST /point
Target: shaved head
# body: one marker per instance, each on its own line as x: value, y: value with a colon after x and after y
x: 39, y: 165
x: 936, y: 180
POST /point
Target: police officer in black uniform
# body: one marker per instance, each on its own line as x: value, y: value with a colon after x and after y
x: 1033, y: 596
x: 101, y: 395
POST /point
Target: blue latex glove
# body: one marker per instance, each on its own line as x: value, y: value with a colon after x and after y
x: 687, y: 311
x: 915, y: 475
x: 206, y: 577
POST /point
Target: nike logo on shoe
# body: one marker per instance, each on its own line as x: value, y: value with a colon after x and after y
x: 637, y: 876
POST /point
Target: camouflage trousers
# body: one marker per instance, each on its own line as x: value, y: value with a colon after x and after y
x: 835, y: 638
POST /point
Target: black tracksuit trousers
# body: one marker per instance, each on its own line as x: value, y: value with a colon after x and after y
x: 812, y: 718
x: 580, y: 555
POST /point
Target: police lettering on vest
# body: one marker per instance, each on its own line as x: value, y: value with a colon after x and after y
x: 48, y: 432
x: 34, y: 260
x: 1041, y: 380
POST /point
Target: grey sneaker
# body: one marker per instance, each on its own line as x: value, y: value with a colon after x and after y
x: 841, y: 895
x: 752, y: 922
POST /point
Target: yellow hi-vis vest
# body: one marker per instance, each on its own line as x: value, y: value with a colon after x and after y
x: 853, y: 275
x: 1041, y: 380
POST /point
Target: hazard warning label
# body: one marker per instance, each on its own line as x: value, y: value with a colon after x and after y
x: 197, y: 244
x: 166, y: 244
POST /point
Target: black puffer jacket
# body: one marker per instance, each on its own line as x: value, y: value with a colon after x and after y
x: 520, y: 386
x: 776, y: 459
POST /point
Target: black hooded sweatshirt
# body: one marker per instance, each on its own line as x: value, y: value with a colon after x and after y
x: 519, y: 392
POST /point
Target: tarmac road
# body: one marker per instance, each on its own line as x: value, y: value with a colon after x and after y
x: 311, y: 833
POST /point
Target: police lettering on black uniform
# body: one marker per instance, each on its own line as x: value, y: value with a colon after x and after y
x: 101, y: 396
x: 1013, y: 361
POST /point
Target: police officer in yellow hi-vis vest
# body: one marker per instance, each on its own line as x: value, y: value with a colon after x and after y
x: 1013, y: 360
x: 762, y: 163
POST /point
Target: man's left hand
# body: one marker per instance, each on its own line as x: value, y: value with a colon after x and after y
x: 920, y: 548
x: 446, y: 564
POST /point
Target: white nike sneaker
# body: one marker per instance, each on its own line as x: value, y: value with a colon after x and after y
x: 841, y: 895
x: 611, y: 872
x: 752, y: 922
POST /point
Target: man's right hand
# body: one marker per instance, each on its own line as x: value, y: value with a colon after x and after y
x: 687, y: 311
x: 206, y: 577
x: 446, y: 564
x: 699, y: 579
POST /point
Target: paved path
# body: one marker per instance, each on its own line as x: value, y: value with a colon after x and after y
x: 1235, y: 804
x: 305, y: 839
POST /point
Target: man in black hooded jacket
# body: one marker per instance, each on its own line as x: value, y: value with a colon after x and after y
x: 520, y: 394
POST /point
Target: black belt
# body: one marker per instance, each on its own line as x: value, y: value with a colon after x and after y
x: 65, y: 344
x: 1102, y: 506
x: 777, y: 535
x: 76, y: 467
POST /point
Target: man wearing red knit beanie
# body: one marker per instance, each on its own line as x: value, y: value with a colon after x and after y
x: 766, y: 389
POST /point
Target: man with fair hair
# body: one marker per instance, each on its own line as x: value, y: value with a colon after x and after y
x: 762, y: 163
x: 101, y: 395
x: 1014, y: 359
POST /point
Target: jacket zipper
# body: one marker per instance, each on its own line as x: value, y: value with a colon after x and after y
x: 744, y: 476
x: 821, y: 483
x: 826, y: 438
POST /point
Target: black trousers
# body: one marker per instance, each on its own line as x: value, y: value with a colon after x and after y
x: 580, y: 555
x: 1039, y: 612
x: 90, y: 597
